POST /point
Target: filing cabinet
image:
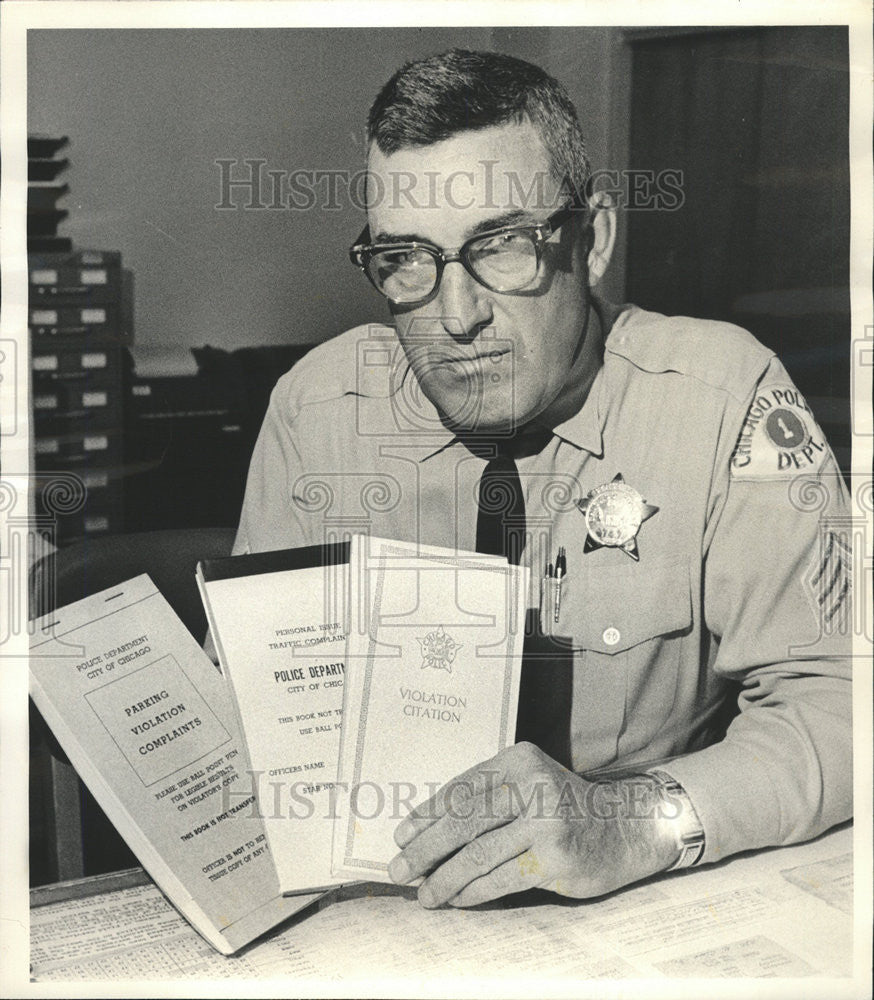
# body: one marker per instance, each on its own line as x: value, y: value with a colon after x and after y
x: 50, y: 320
x: 45, y: 189
x: 77, y: 331
x: 79, y: 278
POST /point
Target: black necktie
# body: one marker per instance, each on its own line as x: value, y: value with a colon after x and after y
x: 500, y: 523
x: 545, y: 692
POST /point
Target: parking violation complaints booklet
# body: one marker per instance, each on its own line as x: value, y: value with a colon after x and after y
x: 148, y: 723
x: 278, y: 622
x: 433, y: 659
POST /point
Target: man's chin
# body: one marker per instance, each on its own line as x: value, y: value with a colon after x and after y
x: 482, y: 409
x: 486, y: 423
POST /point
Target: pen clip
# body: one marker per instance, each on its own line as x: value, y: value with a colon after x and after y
x: 560, y: 573
x: 547, y: 599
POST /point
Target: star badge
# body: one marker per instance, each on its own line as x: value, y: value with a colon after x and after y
x: 438, y: 650
x: 614, y: 513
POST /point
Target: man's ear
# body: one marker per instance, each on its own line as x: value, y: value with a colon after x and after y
x: 602, y: 235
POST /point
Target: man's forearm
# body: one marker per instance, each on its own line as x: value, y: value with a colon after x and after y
x: 782, y: 774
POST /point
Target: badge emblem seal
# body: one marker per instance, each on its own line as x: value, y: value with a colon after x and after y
x: 439, y: 650
x: 614, y: 513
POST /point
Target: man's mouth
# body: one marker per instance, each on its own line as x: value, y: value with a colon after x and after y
x: 473, y: 362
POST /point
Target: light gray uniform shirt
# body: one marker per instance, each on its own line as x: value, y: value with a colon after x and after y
x: 741, y: 589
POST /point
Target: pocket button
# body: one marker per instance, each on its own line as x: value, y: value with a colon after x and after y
x: 611, y: 636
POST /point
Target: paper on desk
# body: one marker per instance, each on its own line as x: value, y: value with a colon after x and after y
x: 745, y: 918
x: 433, y: 658
x: 147, y: 722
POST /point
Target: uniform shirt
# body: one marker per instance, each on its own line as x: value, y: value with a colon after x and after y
x: 740, y: 591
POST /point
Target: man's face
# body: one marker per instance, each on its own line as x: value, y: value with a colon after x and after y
x: 489, y: 361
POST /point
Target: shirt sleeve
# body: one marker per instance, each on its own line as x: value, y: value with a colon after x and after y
x: 270, y: 519
x: 777, y: 602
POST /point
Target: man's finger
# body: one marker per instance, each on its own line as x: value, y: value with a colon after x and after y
x: 477, y: 861
x: 455, y: 828
x: 520, y: 872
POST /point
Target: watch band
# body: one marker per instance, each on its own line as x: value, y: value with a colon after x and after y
x: 688, y: 828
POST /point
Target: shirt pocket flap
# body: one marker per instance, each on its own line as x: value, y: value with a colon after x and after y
x: 621, y: 607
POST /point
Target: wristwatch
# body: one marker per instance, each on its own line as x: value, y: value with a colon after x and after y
x: 687, y: 826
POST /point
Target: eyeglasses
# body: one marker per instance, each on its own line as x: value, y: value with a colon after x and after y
x: 504, y: 260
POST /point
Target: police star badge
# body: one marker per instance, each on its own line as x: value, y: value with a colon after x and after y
x: 614, y: 513
x: 438, y: 650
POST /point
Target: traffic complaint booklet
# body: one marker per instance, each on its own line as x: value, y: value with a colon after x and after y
x: 278, y: 621
x: 433, y: 660
x: 147, y: 721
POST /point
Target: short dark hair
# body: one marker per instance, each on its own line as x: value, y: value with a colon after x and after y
x: 432, y: 99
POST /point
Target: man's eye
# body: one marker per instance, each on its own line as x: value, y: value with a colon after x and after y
x: 407, y: 257
x: 502, y: 243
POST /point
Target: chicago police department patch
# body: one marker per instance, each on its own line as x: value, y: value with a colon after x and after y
x: 779, y: 437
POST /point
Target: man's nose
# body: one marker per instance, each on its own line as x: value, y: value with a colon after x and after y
x: 465, y: 304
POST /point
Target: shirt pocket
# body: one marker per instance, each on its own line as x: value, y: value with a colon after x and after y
x: 628, y: 627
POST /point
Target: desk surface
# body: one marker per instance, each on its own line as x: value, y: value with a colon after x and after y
x: 776, y: 913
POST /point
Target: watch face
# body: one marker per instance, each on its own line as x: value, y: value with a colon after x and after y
x: 678, y: 809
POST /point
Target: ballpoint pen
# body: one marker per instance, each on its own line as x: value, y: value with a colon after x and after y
x: 560, y: 571
x: 547, y: 584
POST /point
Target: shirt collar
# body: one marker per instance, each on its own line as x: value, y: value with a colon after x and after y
x: 430, y: 435
x: 584, y: 429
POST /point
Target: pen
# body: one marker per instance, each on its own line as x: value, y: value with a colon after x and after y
x: 546, y: 588
x: 560, y: 571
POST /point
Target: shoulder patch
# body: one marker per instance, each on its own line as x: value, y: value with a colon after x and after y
x: 779, y: 437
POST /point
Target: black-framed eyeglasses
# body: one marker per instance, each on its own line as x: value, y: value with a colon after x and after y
x: 504, y: 260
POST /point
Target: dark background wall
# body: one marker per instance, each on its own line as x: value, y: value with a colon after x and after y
x: 759, y: 121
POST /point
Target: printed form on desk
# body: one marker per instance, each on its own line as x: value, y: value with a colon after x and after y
x: 780, y: 913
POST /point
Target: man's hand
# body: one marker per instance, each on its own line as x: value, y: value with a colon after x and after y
x: 521, y: 820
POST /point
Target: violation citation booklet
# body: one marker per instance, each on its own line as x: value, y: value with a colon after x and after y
x: 148, y: 723
x: 433, y: 661
x: 278, y: 622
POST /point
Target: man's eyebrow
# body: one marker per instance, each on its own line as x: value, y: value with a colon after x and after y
x: 383, y: 237
x: 512, y: 218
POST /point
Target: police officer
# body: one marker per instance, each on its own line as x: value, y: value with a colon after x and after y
x: 669, y: 461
